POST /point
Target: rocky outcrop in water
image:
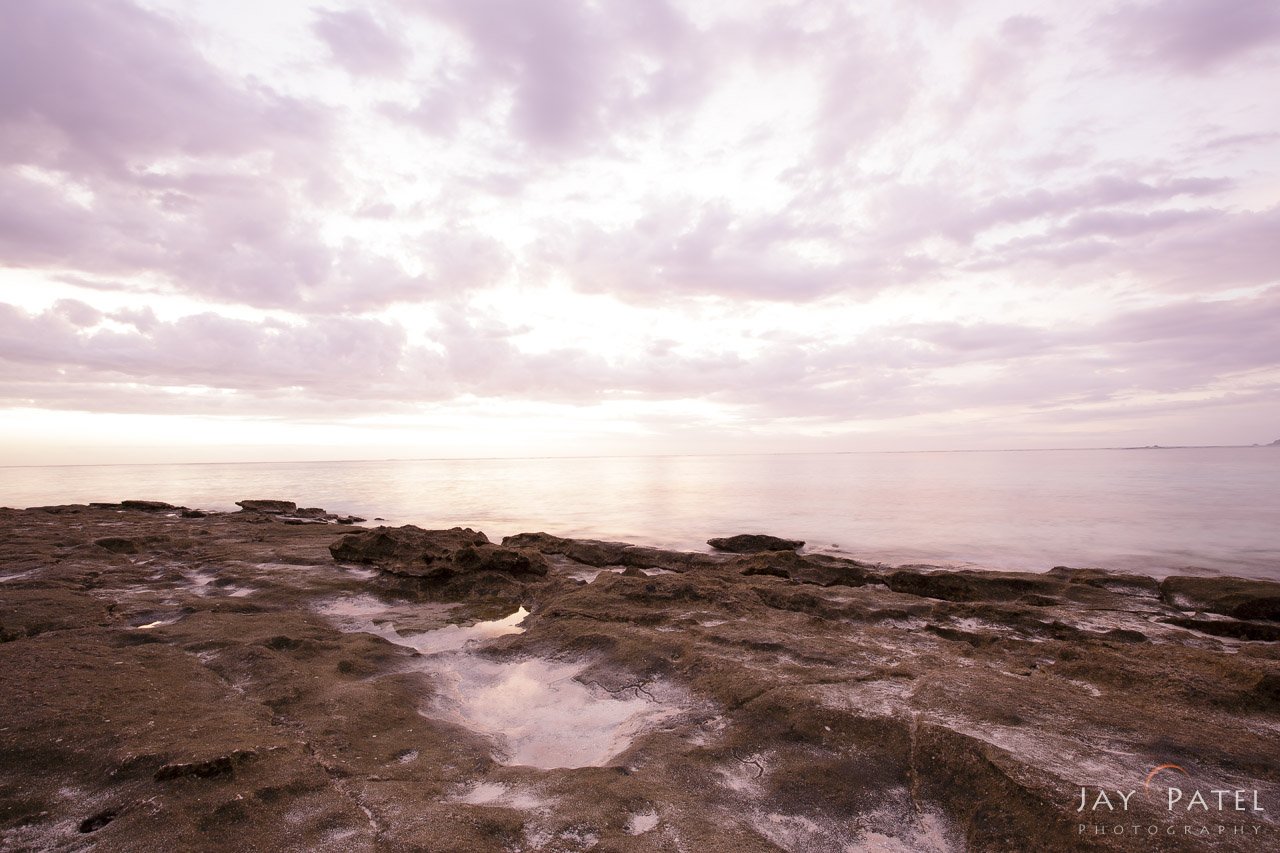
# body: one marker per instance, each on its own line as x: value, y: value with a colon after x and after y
x: 232, y: 682
x: 270, y: 507
x: 435, y: 554
x: 754, y: 543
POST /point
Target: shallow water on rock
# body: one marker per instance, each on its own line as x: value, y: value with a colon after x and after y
x: 536, y: 711
x: 453, y: 637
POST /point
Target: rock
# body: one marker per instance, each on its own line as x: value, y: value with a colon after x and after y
x: 754, y: 543
x: 1266, y: 692
x: 434, y: 554
x: 348, y: 519
x: 309, y: 512
x: 644, y: 557
x: 98, y: 821
x: 1238, y: 629
x: 973, y: 586
x: 146, y: 506
x: 268, y: 506
x: 823, y: 570
x: 590, y: 552
x: 117, y: 544
x: 1103, y: 579
x: 194, y: 513
x: 782, y: 564
x: 222, y: 765
x: 813, y: 714
x: 1239, y: 598
x: 598, y: 554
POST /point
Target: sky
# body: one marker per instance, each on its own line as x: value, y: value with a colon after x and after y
x: 241, y: 230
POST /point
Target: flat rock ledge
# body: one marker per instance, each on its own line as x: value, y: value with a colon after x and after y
x: 754, y: 543
x: 435, y: 554
x: 233, y: 682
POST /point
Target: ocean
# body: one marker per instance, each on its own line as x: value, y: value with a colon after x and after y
x: 1168, y: 511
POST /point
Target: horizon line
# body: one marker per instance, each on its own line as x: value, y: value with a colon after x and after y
x: 639, y: 456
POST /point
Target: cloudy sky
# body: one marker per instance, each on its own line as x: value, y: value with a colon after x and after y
x: 252, y: 230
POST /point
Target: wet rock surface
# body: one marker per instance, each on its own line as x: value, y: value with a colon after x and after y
x: 754, y: 543
x: 435, y: 554
x: 232, y: 681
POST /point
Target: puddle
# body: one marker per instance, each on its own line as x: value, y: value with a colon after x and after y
x: 355, y: 607
x: 589, y: 575
x: 536, y: 711
x: 153, y: 622
x: 371, y: 615
x: 453, y: 637
x: 359, y: 571
x: 206, y: 583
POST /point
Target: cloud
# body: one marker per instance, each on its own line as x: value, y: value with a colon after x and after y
x: 687, y: 249
x: 1175, y: 250
x: 1192, y: 36
x: 131, y: 165
x: 795, y: 214
x: 913, y: 369
x: 108, y: 85
x: 229, y: 238
x: 360, y: 43
x: 574, y: 71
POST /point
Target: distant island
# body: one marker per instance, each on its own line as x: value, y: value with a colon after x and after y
x: 1275, y: 443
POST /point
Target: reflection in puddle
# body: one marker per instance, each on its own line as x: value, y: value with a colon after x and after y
x: 535, y: 710
x: 453, y: 637
x: 538, y: 713
x: 371, y: 615
x: 153, y: 622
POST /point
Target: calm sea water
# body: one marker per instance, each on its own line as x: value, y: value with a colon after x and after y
x: 1208, y: 510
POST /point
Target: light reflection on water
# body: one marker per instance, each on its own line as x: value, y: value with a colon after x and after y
x: 536, y: 710
x: 1149, y: 510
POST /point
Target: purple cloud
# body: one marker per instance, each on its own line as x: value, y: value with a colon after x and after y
x: 898, y: 372
x: 109, y: 85
x: 360, y: 43
x: 1193, y: 35
x: 573, y: 70
x: 921, y: 170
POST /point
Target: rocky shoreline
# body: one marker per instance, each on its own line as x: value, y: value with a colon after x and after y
x: 280, y: 679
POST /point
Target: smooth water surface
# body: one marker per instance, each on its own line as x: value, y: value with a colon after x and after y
x: 1157, y: 511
